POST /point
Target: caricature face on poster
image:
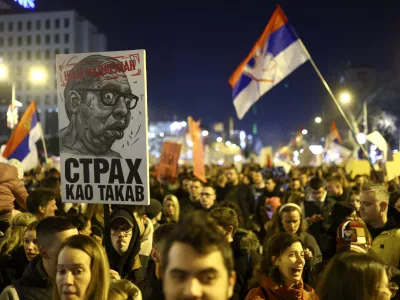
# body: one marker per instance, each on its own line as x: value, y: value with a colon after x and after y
x: 103, y: 127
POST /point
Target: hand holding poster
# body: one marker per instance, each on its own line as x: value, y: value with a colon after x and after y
x: 168, y: 166
x: 103, y: 127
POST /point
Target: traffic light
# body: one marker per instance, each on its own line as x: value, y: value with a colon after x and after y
x: 5, y: 93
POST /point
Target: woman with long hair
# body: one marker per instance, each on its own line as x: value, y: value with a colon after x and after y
x: 281, y: 271
x: 12, y: 255
x: 83, y: 272
x: 355, y: 276
x: 171, y: 209
x: 289, y: 218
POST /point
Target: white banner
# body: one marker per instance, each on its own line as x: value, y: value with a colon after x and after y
x: 102, y: 101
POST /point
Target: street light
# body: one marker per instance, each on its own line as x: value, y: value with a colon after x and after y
x: 304, y: 131
x: 38, y: 75
x: 318, y: 120
x: 3, y: 72
x: 345, y: 97
x: 204, y: 133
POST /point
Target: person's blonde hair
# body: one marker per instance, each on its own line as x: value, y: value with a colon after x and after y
x: 124, y: 290
x: 175, y: 201
x: 14, y: 236
x: 100, y: 270
x: 96, y: 211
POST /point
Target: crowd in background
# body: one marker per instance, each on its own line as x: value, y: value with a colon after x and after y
x: 316, y: 233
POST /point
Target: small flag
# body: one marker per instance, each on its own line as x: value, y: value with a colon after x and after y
x: 276, y: 54
x: 334, y: 135
x: 21, y: 145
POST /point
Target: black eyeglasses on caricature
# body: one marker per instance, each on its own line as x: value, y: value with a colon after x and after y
x: 111, y: 97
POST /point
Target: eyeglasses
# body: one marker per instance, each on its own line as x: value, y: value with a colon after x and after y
x: 206, y: 194
x: 111, y: 97
x: 122, y: 231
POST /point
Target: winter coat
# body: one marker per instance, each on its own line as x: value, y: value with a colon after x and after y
x: 387, y: 246
x: 11, y: 189
x: 12, y: 267
x: 270, y: 291
x: 33, y: 285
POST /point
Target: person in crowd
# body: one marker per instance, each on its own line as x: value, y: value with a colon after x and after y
x: 125, y: 239
x: 235, y: 207
x: 53, y: 184
x: 154, y: 212
x: 244, y: 259
x: 355, y: 276
x: 171, y: 209
x: 282, y: 268
x: 154, y: 285
x: 207, y: 198
x: 12, y: 256
x: 304, y: 178
x: 258, y: 187
x: 289, y: 218
x: 12, y: 190
x: 83, y: 272
x: 359, y: 181
x: 336, y: 190
x: 272, y: 189
x: 42, y: 203
x: 184, y: 186
x: 385, y: 231
x: 30, y: 242
x: 124, y: 290
x: 36, y: 282
x: 81, y: 222
x: 394, y: 200
x: 189, y: 203
x: 238, y: 193
x: 319, y: 172
x: 95, y: 213
x: 354, y: 200
x: 294, y: 188
x: 195, y: 252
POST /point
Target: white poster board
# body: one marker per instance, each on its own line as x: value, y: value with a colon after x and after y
x: 102, y: 102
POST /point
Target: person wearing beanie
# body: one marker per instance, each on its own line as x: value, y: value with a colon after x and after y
x: 154, y: 212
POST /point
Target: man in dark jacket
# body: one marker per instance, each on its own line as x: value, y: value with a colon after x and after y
x: 36, y: 283
x: 207, y: 199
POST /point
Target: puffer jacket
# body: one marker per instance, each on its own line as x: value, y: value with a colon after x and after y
x: 387, y: 246
x: 11, y: 189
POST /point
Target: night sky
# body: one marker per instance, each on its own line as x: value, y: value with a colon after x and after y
x: 192, y: 49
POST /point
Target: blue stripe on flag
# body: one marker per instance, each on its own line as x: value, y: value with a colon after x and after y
x: 34, y: 120
x: 22, y: 150
x: 281, y: 39
x: 243, y: 82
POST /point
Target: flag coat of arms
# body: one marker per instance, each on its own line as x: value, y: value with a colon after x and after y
x: 276, y: 54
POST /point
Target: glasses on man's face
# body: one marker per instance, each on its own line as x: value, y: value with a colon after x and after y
x: 121, y: 231
x: 111, y: 97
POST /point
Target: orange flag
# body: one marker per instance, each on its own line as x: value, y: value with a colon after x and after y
x: 168, y: 166
x: 198, y: 155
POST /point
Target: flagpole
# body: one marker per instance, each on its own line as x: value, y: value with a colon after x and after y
x: 44, y: 145
x: 338, y: 106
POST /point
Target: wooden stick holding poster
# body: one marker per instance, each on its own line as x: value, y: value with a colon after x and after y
x: 167, y: 170
x: 102, y: 118
x: 198, y: 153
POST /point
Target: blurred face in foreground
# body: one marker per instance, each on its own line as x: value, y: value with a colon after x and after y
x: 192, y: 275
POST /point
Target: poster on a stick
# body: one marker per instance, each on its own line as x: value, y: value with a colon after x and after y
x: 102, y: 116
x: 167, y: 170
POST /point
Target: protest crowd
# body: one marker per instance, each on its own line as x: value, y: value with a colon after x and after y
x: 313, y: 234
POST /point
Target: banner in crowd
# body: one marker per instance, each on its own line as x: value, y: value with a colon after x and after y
x: 198, y: 153
x: 168, y: 167
x: 102, y: 101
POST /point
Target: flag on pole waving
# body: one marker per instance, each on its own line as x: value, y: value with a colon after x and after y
x: 276, y: 54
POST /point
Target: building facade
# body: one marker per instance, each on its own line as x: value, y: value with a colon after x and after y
x: 33, y: 39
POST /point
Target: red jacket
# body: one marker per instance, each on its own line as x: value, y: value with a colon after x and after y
x: 11, y: 189
x: 273, y: 292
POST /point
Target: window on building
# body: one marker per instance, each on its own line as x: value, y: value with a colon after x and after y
x: 19, y: 26
x: 28, y: 55
x: 66, y: 38
x: 38, y: 39
x: 38, y: 25
x: 38, y: 54
x: 66, y: 50
x: 57, y: 39
x: 19, y: 55
x: 47, y: 24
x: 57, y: 51
x: 66, y: 23
x: 20, y: 41
x: 19, y: 71
x: 57, y: 23
x: 47, y: 39
x: 47, y: 54
x: 10, y: 55
x: 10, y: 26
x: 28, y: 40
x: 1, y: 42
x: 1, y: 27
x: 10, y: 41
x: 29, y: 25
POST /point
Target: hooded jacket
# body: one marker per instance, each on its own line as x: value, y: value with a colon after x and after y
x: 11, y: 189
x: 33, y: 285
x: 269, y: 290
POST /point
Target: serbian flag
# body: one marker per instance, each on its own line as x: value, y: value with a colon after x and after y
x: 276, y: 54
x: 334, y: 136
x: 22, y: 145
